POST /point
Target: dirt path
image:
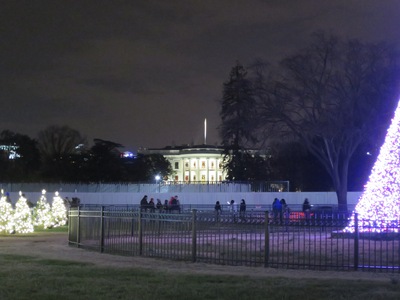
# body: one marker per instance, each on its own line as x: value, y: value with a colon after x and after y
x: 55, y: 246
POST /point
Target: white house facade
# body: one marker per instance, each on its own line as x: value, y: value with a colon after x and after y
x: 192, y: 164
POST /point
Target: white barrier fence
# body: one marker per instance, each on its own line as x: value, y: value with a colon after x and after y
x: 204, y: 198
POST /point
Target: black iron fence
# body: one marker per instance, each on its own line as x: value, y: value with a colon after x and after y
x: 256, y: 238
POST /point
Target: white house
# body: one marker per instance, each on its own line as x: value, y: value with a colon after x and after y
x: 198, y: 163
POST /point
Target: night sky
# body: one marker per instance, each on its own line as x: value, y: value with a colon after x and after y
x: 146, y: 73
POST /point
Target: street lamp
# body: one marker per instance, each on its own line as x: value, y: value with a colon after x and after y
x: 158, y: 181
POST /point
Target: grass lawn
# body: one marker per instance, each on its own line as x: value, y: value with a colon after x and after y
x: 25, y: 277
x: 32, y: 277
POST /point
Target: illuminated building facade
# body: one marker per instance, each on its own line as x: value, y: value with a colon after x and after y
x: 193, y: 164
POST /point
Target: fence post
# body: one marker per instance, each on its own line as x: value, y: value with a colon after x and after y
x: 266, y: 239
x: 102, y: 229
x: 356, y: 240
x: 140, y: 233
x: 194, y: 235
x: 78, y: 235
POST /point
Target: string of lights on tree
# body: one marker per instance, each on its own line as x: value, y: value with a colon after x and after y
x: 58, y: 211
x: 23, y: 222
x: 23, y: 218
x: 42, y: 215
x: 6, y: 214
x: 379, y: 206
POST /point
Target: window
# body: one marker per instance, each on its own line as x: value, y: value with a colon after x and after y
x: 203, y: 164
x: 176, y: 165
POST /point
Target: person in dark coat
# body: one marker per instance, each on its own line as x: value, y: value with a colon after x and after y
x: 306, y: 209
x: 218, y: 210
x: 159, y: 205
x: 242, y: 210
x: 151, y: 205
x: 143, y: 203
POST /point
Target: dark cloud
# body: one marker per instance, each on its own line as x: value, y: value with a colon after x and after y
x: 147, y: 73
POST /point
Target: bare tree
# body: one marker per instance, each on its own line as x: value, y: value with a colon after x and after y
x: 331, y: 96
x: 56, y: 144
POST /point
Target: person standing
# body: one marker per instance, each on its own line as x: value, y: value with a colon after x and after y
x: 233, y: 210
x: 151, y: 205
x: 242, y: 210
x: 306, y: 209
x: 285, y: 212
x: 159, y: 205
x: 218, y: 211
x: 277, y: 210
x: 143, y: 203
x: 166, y: 205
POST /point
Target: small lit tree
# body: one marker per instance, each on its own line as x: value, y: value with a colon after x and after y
x: 6, y: 215
x: 58, y: 211
x: 42, y: 212
x: 23, y: 216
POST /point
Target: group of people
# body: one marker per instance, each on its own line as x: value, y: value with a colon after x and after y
x: 281, y: 210
x: 171, y: 205
x: 232, y: 209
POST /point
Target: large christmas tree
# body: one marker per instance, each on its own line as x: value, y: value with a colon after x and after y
x: 378, y: 209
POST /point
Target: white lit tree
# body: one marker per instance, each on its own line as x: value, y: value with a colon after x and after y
x: 42, y: 212
x: 58, y: 211
x: 378, y: 208
x: 6, y: 215
x: 23, y: 216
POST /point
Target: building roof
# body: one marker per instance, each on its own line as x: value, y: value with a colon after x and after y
x: 183, y: 149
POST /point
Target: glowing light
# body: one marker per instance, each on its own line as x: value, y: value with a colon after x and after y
x: 378, y: 208
x: 127, y: 154
x: 58, y: 211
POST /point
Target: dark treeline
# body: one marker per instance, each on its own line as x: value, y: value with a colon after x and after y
x: 60, y: 153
